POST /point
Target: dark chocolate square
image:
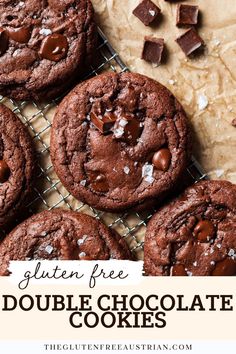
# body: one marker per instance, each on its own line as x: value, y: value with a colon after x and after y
x: 190, y: 41
x: 153, y: 49
x: 187, y: 15
x: 147, y: 12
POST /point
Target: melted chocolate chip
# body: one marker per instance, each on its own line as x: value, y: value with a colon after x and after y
x: 178, y: 270
x: 162, y: 159
x: 227, y: 267
x: 4, y: 171
x: 204, y: 230
x: 20, y: 35
x: 103, y: 123
x: 4, y: 40
x: 98, y: 181
x: 54, y: 47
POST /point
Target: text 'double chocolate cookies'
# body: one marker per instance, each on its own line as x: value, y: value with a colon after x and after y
x: 194, y: 234
x: 44, y: 46
x: 119, y: 141
x: 61, y: 235
x: 16, y: 165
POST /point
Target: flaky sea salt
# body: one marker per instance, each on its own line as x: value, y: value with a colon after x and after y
x: 147, y: 170
x: 82, y: 254
x: 219, y: 173
x: 231, y: 252
x: 83, y: 182
x: 147, y: 173
x: 126, y: 170
x: 21, y: 4
x: 49, y: 249
x: 118, y: 132
x: 82, y: 240
x: 152, y: 12
x: 216, y: 42
x: 171, y: 82
x: 123, y: 122
x: 119, y: 128
x: 219, y: 245
x: 45, y: 31
x: 149, y: 179
x: 213, y: 263
x: 195, y: 264
x: 202, y: 102
x: 189, y: 273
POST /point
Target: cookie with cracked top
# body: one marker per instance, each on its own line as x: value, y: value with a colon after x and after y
x: 62, y: 235
x: 119, y: 141
x: 44, y: 46
x: 17, y: 165
x: 194, y: 234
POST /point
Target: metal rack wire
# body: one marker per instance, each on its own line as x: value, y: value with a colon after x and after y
x: 48, y: 191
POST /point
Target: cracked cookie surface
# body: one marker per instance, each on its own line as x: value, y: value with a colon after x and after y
x: 61, y: 235
x: 194, y: 234
x: 17, y: 162
x: 119, y: 141
x: 44, y: 46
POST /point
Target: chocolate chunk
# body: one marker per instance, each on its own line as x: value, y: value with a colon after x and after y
x: 147, y: 12
x: 20, y: 35
x: 162, y: 159
x: 103, y: 123
x: 127, y: 128
x: 178, y: 270
x: 98, y: 181
x: 227, y: 267
x: 4, y: 171
x: 190, y: 41
x: 187, y: 15
x: 4, y: 40
x: 54, y: 47
x: 153, y: 49
x: 204, y: 230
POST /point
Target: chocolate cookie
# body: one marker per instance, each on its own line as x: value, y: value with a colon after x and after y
x: 119, y: 140
x: 16, y: 165
x: 194, y: 234
x: 61, y: 235
x: 44, y: 46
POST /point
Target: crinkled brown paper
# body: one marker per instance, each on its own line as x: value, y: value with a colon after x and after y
x: 211, y: 76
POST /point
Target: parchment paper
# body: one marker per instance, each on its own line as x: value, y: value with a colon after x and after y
x: 212, y: 75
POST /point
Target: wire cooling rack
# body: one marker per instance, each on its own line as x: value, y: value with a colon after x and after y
x: 49, y: 192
